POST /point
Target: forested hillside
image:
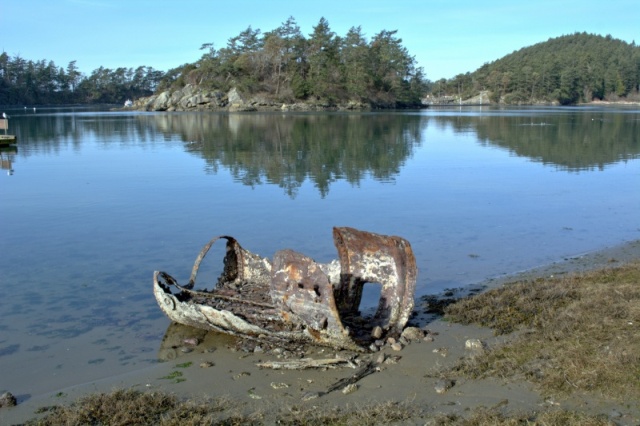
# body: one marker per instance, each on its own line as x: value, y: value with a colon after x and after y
x: 27, y: 82
x: 569, y: 69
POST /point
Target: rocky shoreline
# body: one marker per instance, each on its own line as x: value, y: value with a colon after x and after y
x: 192, y: 98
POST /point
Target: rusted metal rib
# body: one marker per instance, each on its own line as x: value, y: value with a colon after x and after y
x: 388, y: 260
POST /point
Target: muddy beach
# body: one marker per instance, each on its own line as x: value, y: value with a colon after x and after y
x: 198, y: 365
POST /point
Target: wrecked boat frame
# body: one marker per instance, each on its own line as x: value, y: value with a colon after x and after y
x: 295, y: 299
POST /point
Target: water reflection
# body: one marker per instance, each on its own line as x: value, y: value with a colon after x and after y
x: 288, y: 149
x: 285, y: 150
x: 180, y: 339
x: 7, y: 157
x: 575, y: 142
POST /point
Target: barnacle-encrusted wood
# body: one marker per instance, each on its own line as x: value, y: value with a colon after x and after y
x: 295, y: 299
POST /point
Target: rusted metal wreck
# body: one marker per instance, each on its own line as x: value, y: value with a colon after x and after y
x: 295, y: 299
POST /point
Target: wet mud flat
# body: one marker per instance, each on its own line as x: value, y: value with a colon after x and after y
x: 199, y: 364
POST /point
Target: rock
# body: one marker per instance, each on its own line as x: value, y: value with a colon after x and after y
x: 206, y: 364
x: 162, y: 101
x: 252, y: 394
x: 310, y: 395
x: 442, y: 351
x: 191, y: 341
x: 392, y: 359
x: 380, y: 358
x: 350, y: 388
x: 176, y: 96
x: 279, y: 385
x: 8, y: 400
x: 376, y: 333
x: 234, y: 97
x: 188, y: 90
x: 396, y: 346
x: 474, y: 345
x: 615, y: 414
x: 391, y: 340
x: 443, y: 385
x: 412, y: 334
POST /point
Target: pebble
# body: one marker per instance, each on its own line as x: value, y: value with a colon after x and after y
x: 412, y: 333
x: 396, y: 346
x: 376, y: 333
x: 350, y: 388
x: 441, y: 351
x: 241, y: 374
x: 380, y: 358
x: 186, y: 350
x: 474, y: 345
x: 191, y: 341
x: 615, y: 414
x: 392, y: 359
x: 391, y: 340
x: 206, y: 364
x: 428, y: 339
x: 252, y: 394
x: 279, y: 385
x: 443, y: 386
x: 310, y: 395
x: 8, y: 400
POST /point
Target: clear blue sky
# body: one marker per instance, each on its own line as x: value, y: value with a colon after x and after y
x: 447, y: 37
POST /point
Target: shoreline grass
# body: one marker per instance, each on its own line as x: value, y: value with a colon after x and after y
x: 579, y: 332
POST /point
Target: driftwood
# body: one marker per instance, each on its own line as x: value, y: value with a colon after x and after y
x: 364, y: 371
x: 305, y: 363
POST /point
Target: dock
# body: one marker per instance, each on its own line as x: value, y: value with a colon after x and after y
x: 6, y: 139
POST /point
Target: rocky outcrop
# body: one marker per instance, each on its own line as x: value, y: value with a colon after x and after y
x: 185, y: 99
x: 192, y: 98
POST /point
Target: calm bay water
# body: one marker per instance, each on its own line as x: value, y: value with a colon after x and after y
x: 96, y: 201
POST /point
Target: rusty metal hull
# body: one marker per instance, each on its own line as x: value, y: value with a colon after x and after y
x: 294, y: 299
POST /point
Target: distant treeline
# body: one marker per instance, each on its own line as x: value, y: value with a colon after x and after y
x: 25, y: 82
x: 285, y: 65
x: 567, y: 70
